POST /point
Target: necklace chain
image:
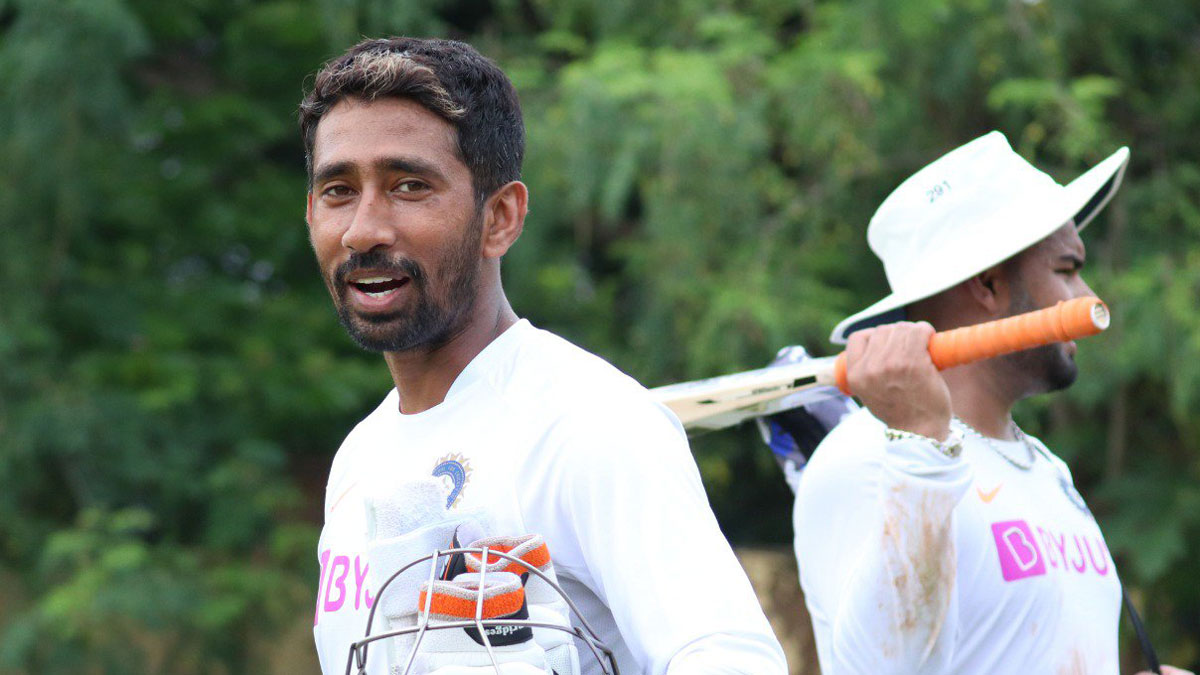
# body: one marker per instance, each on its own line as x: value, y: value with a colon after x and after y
x: 991, y: 443
x: 1064, y: 479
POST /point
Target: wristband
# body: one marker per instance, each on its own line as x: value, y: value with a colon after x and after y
x: 951, y: 447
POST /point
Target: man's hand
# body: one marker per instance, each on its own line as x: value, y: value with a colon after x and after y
x: 1169, y: 670
x: 889, y: 369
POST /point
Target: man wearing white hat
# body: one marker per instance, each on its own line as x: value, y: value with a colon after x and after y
x: 933, y: 535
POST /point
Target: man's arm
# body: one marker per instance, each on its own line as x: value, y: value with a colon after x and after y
x: 874, y: 518
x: 875, y: 544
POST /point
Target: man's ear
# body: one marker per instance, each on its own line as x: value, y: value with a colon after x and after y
x: 504, y: 218
x: 308, y: 209
x: 989, y: 289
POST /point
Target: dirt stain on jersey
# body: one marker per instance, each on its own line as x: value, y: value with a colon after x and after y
x: 920, y: 556
x: 1076, y: 664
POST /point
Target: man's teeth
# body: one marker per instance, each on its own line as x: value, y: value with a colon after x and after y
x: 377, y: 287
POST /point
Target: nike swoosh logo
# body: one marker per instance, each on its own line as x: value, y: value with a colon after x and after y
x: 988, y: 495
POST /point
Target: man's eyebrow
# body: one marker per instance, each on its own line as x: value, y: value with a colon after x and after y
x: 329, y: 171
x: 411, y: 165
x: 418, y: 167
x: 1075, y: 260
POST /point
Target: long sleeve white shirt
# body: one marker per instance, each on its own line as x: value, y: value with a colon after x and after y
x: 546, y: 438
x: 914, y: 562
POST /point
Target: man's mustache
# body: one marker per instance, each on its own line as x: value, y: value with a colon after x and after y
x: 377, y: 261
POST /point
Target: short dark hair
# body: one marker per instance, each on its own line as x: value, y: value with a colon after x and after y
x: 451, y: 79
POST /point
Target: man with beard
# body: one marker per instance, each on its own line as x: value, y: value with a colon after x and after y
x: 934, y: 535
x: 414, y: 151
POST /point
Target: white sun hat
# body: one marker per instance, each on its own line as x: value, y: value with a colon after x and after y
x: 973, y: 208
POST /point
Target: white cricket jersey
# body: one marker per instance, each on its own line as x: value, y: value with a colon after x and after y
x: 547, y: 438
x: 913, y: 562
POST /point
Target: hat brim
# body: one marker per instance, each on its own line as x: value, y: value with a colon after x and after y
x: 1082, y: 200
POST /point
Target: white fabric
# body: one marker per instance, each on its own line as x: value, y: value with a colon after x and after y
x: 553, y: 440
x: 393, y: 513
x: 912, y: 562
x: 403, y: 525
x: 971, y: 209
x: 388, y: 555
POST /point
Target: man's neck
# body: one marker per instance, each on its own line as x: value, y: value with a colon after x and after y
x: 424, y: 376
x: 980, y: 399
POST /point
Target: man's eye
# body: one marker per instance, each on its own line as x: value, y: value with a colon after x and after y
x: 411, y: 187
x: 336, y: 191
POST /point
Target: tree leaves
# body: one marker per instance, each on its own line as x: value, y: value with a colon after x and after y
x: 173, y: 382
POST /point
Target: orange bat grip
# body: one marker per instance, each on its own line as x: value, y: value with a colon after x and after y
x: 1068, y: 320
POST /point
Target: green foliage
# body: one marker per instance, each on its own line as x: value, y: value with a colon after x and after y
x: 173, y: 382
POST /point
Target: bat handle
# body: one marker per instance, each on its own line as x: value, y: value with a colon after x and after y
x: 1067, y: 320
x: 839, y: 373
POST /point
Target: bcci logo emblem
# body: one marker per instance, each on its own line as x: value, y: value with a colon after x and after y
x: 454, y: 470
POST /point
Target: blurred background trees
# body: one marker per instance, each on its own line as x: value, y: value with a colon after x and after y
x: 173, y: 382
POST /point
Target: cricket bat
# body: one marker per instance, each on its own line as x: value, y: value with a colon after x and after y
x: 724, y: 401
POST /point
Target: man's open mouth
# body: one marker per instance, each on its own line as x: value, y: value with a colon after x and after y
x: 377, y: 287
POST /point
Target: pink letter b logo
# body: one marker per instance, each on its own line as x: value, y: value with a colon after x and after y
x: 1019, y: 554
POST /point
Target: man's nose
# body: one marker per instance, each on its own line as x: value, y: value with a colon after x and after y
x: 372, y: 226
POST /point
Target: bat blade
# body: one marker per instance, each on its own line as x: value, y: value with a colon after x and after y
x: 724, y: 401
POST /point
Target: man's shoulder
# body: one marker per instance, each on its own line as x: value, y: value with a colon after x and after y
x: 576, y: 400
x: 859, y: 429
x: 848, y: 452
x: 555, y: 373
x: 377, y: 416
x: 361, y: 436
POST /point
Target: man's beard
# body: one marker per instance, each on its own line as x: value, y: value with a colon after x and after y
x: 434, y: 316
x: 1049, y: 367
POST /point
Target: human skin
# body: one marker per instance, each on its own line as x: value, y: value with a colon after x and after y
x: 891, y: 367
x: 388, y: 180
